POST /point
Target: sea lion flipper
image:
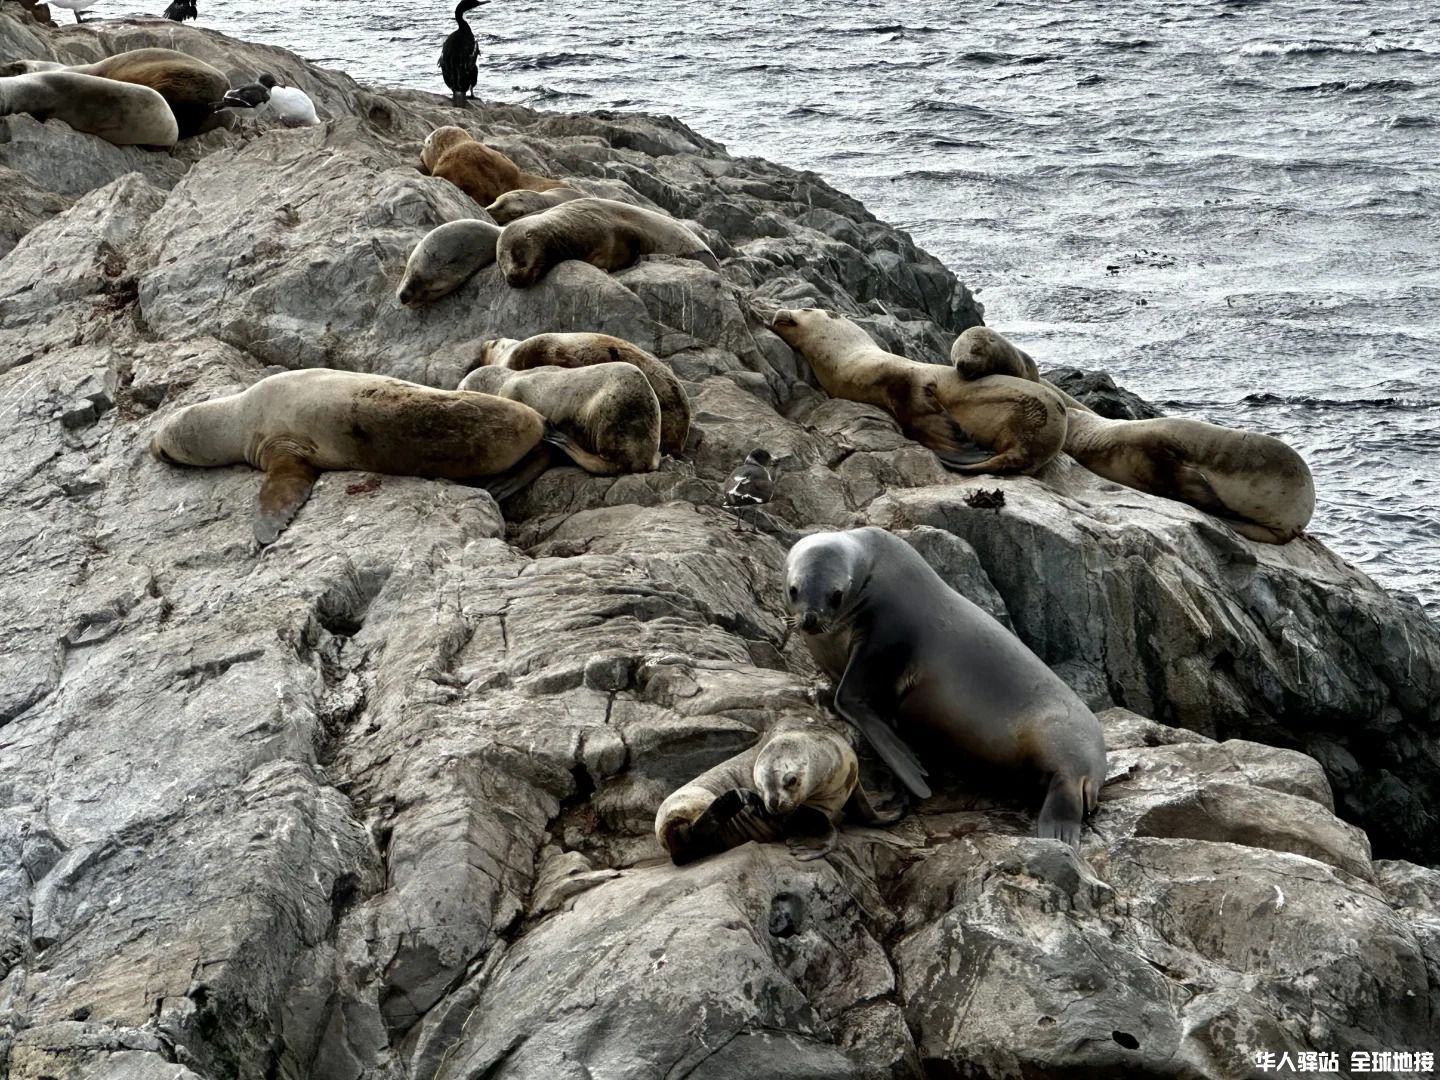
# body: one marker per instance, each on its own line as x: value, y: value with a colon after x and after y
x: 828, y: 844
x: 1063, y: 812
x: 287, y: 484
x: 1193, y: 486
x: 891, y: 748
x: 860, y: 806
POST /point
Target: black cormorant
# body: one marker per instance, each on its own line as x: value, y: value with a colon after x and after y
x: 458, y: 55
x: 180, y: 10
x: 251, y: 95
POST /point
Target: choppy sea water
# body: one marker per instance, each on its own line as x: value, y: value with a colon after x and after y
x: 1232, y: 206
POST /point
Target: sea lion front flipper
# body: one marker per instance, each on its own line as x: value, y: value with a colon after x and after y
x: 1193, y: 486
x: 891, y: 748
x: 287, y: 484
x: 1063, y: 811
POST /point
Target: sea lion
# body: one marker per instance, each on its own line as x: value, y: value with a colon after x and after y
x: 998, y: 424
x: 295, y: 424
x: 907, y: 652
x: 192, y: 88
x: 118, y: 112
x: 522, y: 202
x: 603, y: 232
x: 792, y: 777
x: 1255, y: 483
x: 583, y: 350
x: 608, y: 411
x: 447, y: 257
x: 481, y: 171
x: 980, y: 351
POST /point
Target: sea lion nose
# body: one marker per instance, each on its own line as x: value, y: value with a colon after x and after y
x: 810, y: 622
x: 772, y: 804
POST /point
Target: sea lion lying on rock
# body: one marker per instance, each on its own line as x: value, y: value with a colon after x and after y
x: 585, y: 350
x: 192, y: 88
x: 603, y: 232
x: 908, y: 652
x: 1255, y: 483
x: 767, y: 793
x: 998, y: 424
x: 296, y: 424
x: 481, y: 171
x: 121, y: 113
x: 448, y: 256
x: 608, y: 411
x: 514, y: 205
x: 980, y: 351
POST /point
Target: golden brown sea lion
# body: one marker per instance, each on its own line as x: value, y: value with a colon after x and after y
x: 796, y: 771
x: 1255, y: 483
x: 481, y: 171
x: 603, y: 232
x: 608, y: 411
x: 296, y: 424
x: 997, y: 424
x: 584, y: 350
x: 118, y: 112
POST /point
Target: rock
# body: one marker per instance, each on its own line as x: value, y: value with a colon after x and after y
x: 377, y: 802
x: 1098, y: 390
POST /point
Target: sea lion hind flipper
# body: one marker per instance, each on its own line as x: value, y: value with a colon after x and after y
x: 1063, y: 812
x: 520, y: 475
x: 863, y: 809
x: 287, y: 484
x: 591, y: 463
x: 805, y: 853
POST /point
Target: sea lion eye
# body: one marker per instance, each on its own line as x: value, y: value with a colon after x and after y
x: 794, y: 593
x: 791, y: 780
x: 835, y: 598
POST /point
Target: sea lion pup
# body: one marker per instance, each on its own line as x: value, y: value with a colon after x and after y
x: 120, y: 113
x: 980, y: 351
x: 788, y: 779
x: 906, y: 651
x: 481, y: 171
x: 997, y: 424
x: 608, y: 411
x: 521, y: 202
x: 192, y: 88
x: 1255, y: 483
x: 603, y: 232
x: 447, y: 257
x: 296, y: 424
x: 585, y: 350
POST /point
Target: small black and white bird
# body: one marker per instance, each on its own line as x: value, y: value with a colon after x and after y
x: 458, y: 55
x: 251, y: 95
x: 752, y: 483
x: 180, y: 10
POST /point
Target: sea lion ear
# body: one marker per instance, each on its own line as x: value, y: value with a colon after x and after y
x: 287, y: 484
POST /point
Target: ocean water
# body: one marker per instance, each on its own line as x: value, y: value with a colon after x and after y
x: 1232, y: 206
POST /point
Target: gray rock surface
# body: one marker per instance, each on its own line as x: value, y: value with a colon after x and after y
x: 376, y: 803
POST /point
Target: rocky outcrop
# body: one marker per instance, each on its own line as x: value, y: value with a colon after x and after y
x: 376, y: 802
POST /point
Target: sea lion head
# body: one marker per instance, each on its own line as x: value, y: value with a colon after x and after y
x: 445, y: 259
x: 980, y: 351
x: 28, y: 67
x: 786, y: 771
x: 441, y: 140
x: 522, y: 256
x: 513, y: 205
x: 186, y: 437
x: 823, y: 580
